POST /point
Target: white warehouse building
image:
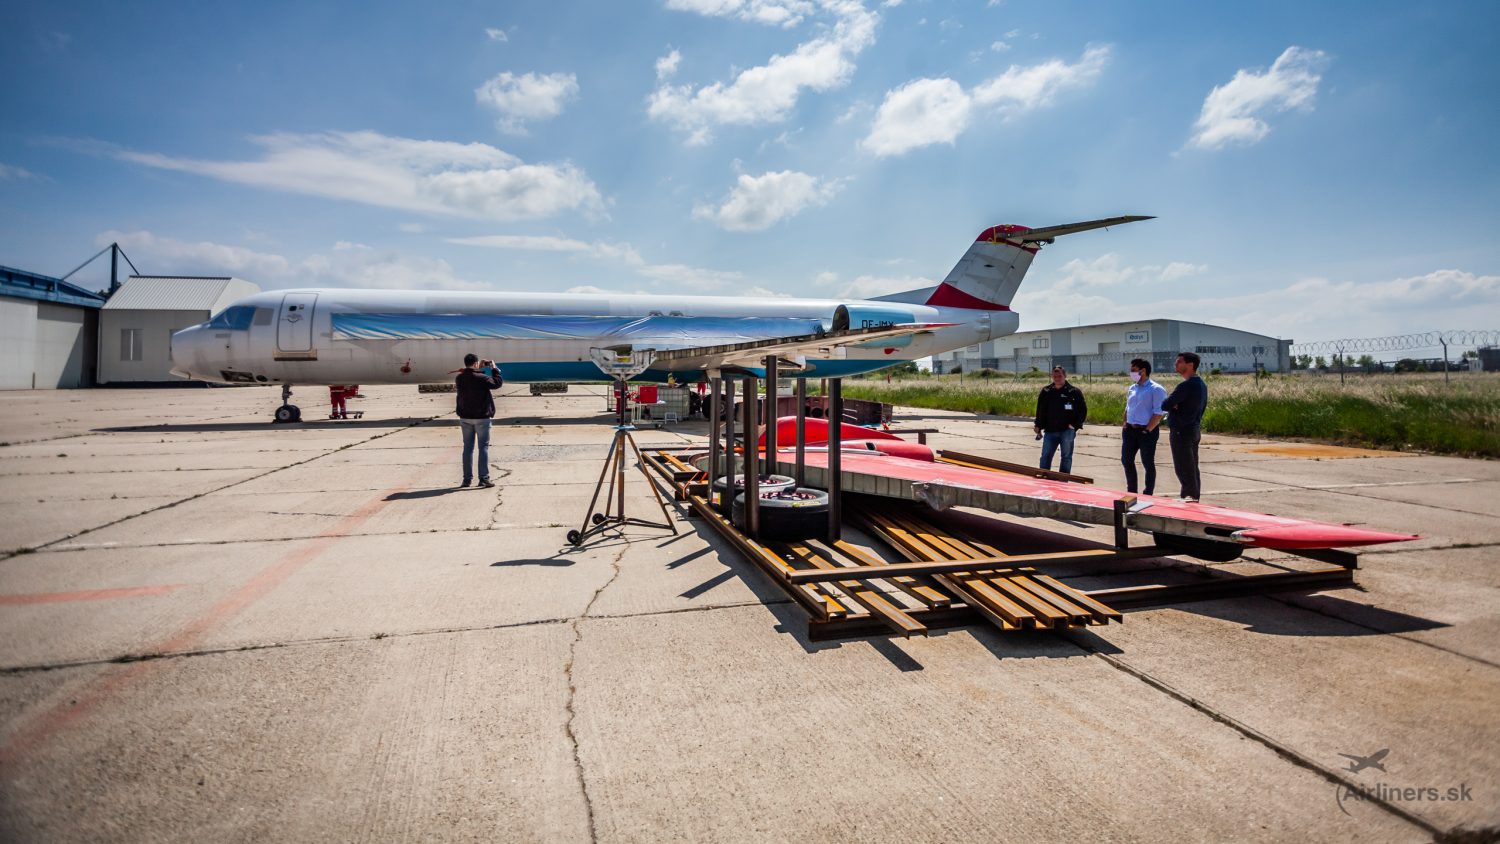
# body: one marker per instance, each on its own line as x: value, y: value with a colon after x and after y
x: 137, y: 323
x: 1109, y: 348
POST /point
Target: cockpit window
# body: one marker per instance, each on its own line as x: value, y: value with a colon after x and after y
x: 236, y: 318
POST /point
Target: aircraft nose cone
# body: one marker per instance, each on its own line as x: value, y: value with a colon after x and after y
x: 181, y: 348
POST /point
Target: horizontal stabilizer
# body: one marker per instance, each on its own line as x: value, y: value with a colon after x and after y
x: 1046, y: 234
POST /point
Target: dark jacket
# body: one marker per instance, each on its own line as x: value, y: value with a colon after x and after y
x: 1186, y: 404
x: 1058, y: 408
x: 473, y: 387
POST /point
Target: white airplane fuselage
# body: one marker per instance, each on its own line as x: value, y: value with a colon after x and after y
x: 345, y: 336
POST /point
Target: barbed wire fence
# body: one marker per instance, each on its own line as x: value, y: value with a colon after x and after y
x: 1474, y: 349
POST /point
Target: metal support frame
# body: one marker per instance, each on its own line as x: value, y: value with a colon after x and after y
x: 726, y: 503
x: 752, y: 462
x: 801, y: 473
x: 715, y: 431
x: 835, y: 458
x: 1122, y: 530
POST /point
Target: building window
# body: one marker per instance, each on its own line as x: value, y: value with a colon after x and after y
x: 1041, y: 342
x: 1217, y: 350
x: 130, y: 344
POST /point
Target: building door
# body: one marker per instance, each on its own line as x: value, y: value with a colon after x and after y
x: 295, y: 326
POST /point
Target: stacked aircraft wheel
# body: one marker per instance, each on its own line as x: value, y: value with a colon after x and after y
x: 791, y: 513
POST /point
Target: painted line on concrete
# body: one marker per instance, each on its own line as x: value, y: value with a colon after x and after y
x: 64, y: 715
x: 87, y: 595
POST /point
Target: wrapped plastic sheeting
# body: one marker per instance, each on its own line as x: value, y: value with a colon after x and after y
x: 660, y: 331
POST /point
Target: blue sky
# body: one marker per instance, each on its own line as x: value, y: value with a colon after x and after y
x: 1318, y: 170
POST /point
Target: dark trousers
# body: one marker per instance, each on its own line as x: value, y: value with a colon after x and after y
x: 1136, y: 441
x: 1184, y: 443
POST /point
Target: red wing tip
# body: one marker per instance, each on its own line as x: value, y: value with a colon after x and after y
x: 994, y: 233
x: 1318, y: 536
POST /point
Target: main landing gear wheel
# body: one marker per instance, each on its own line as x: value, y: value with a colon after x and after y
x: 288, y: 412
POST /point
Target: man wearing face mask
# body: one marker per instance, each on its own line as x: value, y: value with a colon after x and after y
x: 1143, y: 415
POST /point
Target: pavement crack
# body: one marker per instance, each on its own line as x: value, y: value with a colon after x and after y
x: 8, y: 555
x: 1277, y: 747
x: 340, y: 640
x: 572, y: 715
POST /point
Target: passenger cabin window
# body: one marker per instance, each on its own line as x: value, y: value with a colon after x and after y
x: 236, y: 318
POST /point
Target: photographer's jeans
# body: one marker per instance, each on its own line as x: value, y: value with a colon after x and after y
x: 476, y: 429
x: 1050, y: 441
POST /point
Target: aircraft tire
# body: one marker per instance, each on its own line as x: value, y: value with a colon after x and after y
x: 789, y: 514
x: 288, y: 413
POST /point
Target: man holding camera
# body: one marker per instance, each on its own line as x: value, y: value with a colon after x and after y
x: 476, y: 407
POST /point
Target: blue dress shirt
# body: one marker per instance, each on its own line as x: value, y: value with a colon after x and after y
x: 1143, y: 402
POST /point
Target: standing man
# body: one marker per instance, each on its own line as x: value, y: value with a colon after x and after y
x: 476, y: 407
x: 1060, y: 413
x: 1185, y: 417
x: 1143, y: 415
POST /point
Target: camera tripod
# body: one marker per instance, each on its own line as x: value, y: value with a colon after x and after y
x: 614, y: 498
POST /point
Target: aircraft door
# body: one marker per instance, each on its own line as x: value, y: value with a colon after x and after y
x: 294, y: 325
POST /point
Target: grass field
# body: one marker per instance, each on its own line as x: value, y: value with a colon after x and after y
x: 1411, y: 412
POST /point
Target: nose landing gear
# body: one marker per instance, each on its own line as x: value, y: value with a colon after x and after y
x: 288, y: 412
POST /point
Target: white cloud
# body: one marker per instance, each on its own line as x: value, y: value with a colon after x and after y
x: 784, y: 13
x: 528, y: 242
x: 412, y: 228
x: 11, y: 173
x: 432, y: 177
x: 999, y: 47
x: 1233, y: 112
x: 768, y: 93
x: 345, y: 245
x: 666, y: 66
x: 496, y: 34
x: 1178, y: 270
x: 826, y: 278
x: 1026, y: 88
x: 616, y: 253
x: 759, y: 202
x: 527, y: 97
x: 936, y: 111
x: 1107, y: 270
x: 360, y: 267
x: 921, y: 112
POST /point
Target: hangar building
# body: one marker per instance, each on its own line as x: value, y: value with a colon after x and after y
x: 1109, y: 348
x: 48, y: 332
x: 137, y: 323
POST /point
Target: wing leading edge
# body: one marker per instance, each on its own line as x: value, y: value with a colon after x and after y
x: 828, y: 345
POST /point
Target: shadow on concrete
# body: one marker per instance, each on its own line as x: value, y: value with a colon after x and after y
x: 547, y: 561
x: 1303, y: 614
x: 707, y: 585
x: 424, y: 493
